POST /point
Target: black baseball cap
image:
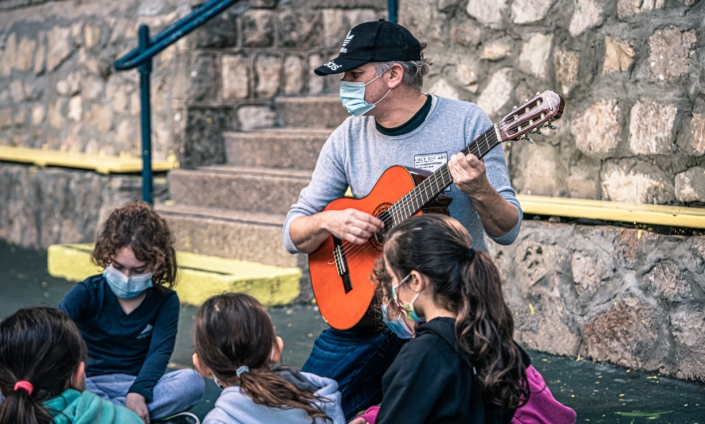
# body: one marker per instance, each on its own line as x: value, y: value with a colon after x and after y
x: 378, y: 41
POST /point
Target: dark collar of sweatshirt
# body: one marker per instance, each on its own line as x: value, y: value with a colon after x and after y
x: 411, y: 124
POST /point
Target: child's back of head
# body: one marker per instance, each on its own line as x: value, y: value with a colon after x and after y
x: 236, y: 343
x: 40, y: 349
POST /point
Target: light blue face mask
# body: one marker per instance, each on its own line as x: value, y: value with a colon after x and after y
x: 126, y: 287
x: 352, y: 95
x: 397, y: 326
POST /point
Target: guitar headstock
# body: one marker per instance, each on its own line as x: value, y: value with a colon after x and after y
x: 538, y: 112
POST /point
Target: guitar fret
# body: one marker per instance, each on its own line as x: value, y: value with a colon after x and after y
x: 488, y: 143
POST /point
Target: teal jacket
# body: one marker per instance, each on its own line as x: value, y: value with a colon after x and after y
x: 74, y: 407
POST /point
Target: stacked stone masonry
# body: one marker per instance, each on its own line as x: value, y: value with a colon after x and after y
x: 59, y: 90
x: 632, y: 73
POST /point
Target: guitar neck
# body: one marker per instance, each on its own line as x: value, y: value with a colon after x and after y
x: 434, y: 185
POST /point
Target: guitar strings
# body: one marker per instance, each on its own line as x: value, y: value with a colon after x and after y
x: 413, y: 201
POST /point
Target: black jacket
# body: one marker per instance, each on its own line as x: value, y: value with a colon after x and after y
x: 432, y: 381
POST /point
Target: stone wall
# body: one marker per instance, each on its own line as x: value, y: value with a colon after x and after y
x: 627, y: 296
x: 632, y: 73
x: 41, y: 207
x: 59, y: 90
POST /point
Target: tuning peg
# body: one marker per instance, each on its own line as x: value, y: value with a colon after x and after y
x: 514, y: 108
x: 526, y: 101
x: 541, y: 134
x: 538, y: 94
x: 530, y: 140
x: 553, y: 127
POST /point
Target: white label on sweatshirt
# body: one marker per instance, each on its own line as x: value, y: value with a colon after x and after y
x: 431, y: 162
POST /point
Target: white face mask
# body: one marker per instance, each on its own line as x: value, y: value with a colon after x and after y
x: 126, y: 287
x: 352, y: 95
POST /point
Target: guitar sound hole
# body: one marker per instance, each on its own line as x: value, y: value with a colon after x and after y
x: 381, y: 213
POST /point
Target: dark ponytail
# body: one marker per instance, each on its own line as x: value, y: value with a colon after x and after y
x: 467, y: 283
x: 43, y: 347
x: 233, y: 330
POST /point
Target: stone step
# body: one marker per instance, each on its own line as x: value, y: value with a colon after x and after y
x: 246, y: 236
x: 310, y: 112
x: 281, y: 148
x: 199, y: 276
x: 242, y: 188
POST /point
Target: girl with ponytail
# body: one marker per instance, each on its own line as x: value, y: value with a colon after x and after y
x: 42, y: 373
x: 236, y: 345
x: 462, y: 365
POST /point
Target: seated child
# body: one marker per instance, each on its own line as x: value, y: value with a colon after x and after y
x: 236, y: 345
x: 42, y: 373
x: 129, y: 315
x: 462, y: 364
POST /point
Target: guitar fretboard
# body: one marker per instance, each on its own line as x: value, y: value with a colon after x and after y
x: 434, y: 185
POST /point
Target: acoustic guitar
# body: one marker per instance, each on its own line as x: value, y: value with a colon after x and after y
x: 340, y: 271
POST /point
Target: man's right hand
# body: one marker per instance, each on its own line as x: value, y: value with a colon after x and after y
x: 351, y: 225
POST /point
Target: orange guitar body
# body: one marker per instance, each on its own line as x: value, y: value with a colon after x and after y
x: 341, y: 309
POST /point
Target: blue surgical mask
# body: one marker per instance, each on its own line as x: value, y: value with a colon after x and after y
x: 126, y: 287
x: 408, y: 307
x: 352, y: 95
x: 397, y: 326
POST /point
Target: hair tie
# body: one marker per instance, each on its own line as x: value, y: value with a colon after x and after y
x: 26, y: 385
x: 243, y: 369
x: 470, y: 254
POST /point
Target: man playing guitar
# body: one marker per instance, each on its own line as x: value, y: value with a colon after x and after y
x: 393, y: 123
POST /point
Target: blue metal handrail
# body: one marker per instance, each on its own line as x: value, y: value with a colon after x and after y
x: 142, y: 57
x: 392, y: 10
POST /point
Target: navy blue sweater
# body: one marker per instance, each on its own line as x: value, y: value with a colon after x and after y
x: 138, y: 344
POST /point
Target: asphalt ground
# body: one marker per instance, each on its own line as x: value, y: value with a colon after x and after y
x: 599, y: 393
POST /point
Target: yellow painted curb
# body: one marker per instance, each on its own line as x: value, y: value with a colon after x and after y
x: 200, y: 276
x: 98, y: 163
x: 613, y: 211
x: 675, y: 216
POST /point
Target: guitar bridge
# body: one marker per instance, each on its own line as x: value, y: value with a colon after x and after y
x: 341, y: 264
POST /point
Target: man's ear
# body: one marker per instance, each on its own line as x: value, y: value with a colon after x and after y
x: 277, y: 350
x: 202, y: 369
x: 78, y: 378
x: 396, y: 73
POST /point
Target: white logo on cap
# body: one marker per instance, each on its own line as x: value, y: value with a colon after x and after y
x: 332, y: 65
x: 348, y: 39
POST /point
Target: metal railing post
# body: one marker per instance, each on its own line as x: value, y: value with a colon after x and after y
x: 392, y: 8
x: 145, y: 70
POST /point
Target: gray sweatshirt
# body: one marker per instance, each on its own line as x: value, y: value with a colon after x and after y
x: 356, y: 155
x: 235, y: 407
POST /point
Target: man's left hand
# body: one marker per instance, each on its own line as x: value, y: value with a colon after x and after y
x: 469, y: 174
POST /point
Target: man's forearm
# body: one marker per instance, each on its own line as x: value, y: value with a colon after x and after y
x: 498, y: 216
x: 308, y: 232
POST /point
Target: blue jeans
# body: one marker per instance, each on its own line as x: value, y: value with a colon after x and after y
x: 357, y: 362
x: 175, y: 392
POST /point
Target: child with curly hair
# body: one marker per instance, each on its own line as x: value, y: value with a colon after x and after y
x: 129, y: 314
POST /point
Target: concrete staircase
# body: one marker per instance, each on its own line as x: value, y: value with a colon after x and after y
x: 237, y: 210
